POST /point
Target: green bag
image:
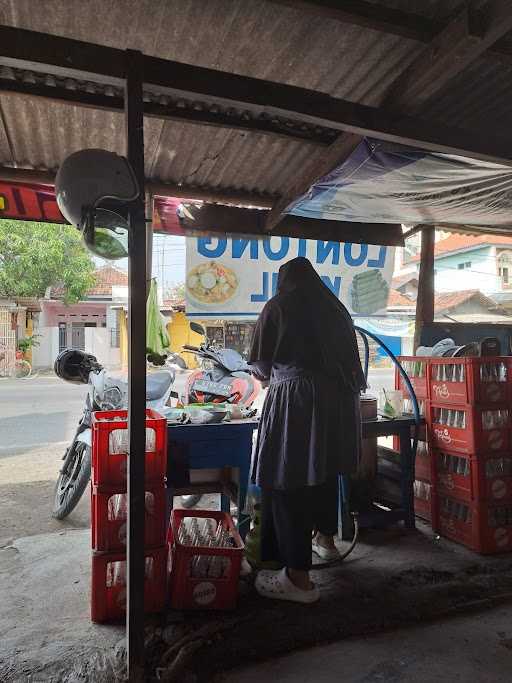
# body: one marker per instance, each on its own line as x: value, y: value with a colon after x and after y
x: 157, y: 338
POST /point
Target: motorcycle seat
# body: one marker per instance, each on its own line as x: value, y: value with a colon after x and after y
x: 157, y: 384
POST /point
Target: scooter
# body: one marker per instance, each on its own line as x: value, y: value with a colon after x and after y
x: 224, y: 377
x: 106, y: 392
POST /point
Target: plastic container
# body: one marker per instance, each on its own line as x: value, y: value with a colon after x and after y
x: 108, y: 584
x: 416, y: 368
x: 483, y: 527
x: 201, y: 576
x: 477, y: 381
x: 109, y: 518
x: 423, y: 500
x: 486, y: 478
x: 470, y: 430
x: 110, y: 446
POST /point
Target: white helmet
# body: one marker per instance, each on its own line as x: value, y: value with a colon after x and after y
x: 89, y: 184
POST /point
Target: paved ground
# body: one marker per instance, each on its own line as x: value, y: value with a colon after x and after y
x: 37, y: 412
x: 38, y: 418
x: 476, y: 648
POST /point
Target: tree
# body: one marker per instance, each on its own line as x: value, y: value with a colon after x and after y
x: 35, y: 256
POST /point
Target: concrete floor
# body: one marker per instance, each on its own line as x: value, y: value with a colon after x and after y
x: 475, y: 648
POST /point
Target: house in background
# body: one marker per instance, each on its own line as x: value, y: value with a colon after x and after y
x: 467, y: 262
x: 469, y: 306
x: 92, y: 325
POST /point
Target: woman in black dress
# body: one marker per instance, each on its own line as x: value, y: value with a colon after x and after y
x: 310, y: 430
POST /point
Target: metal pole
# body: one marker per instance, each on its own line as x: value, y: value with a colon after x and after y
x: 136, y: 373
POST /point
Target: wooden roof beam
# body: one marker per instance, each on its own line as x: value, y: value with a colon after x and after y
x: 154, y: 187
x: 465, y: 38
x: 20, y: 48
x: 458, y: 45
x: 383, y: 19
x: 231, y: 220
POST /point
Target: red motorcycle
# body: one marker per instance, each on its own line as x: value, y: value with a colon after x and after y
x: 224, y: 377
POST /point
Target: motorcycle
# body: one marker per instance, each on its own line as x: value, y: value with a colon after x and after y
x: 224, y: 377
x: 106, y: 392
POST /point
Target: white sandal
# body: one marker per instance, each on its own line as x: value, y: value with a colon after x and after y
x: 327, y: 554
x: 277, y: 585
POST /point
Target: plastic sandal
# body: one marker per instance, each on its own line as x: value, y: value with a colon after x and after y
x: 277, y: 586
x: 327, y: 554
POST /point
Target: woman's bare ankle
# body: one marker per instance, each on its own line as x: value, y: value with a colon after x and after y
x: 300, y: 579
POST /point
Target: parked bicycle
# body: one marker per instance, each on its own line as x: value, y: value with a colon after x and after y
x: 14, y: 365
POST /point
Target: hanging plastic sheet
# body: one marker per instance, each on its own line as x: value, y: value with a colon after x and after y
x: 157, y: 339
x: 385, y: 183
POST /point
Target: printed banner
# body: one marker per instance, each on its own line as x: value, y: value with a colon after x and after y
x: 29, y: 202
x: 234, y: 278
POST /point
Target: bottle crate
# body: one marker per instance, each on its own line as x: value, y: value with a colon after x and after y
x: 109, y: 587
x: 110, y: 447
x: 470, y: 429
x: 203, y: 575
x: 109, y: 517
x: 485, y: 478
x: 483, y: 527
x: 474, y: 381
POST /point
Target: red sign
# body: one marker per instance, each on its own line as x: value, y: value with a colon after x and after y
x: 27, y: 202
x: 165, y: 216
x: 34, y: 202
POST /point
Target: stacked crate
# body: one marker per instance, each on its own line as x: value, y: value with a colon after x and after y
x: 109, y: 514
x: 417, y: 369
x: 469, y: 424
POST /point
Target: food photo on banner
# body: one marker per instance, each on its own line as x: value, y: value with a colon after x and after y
x: 231, y: 278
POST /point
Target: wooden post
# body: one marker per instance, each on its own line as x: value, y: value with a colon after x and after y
x: 425, y: 301
x: 136, y: 373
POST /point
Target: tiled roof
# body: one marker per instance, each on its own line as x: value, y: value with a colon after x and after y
x: 457, y: 242
x: 106, y: 277
x: 449, y: 300
x: 398, y: 299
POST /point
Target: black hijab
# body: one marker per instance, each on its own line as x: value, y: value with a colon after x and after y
x: 306, y: 324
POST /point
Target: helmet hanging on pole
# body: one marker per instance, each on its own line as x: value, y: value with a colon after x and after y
x: 93, y: 187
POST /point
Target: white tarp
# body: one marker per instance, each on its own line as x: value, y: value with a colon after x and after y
x: 385, y: 183
x: 230, y: 278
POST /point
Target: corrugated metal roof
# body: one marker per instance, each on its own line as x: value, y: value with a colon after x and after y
x: 259, y: 39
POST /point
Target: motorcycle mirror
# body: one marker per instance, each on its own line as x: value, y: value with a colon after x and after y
x: 105, y: 234
x: 198, y: 329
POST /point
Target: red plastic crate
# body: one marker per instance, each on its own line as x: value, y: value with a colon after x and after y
x: 416, y: 368
x: 482, y: 527
x: 470, y: 430
x: 108, y: 584
x: 203, y: 592
x: 423, y: 500
x: 475, y: 381
x: 423, y: 463
x: 110, y: 444
x: 483, y: 478
x: 109, y: 518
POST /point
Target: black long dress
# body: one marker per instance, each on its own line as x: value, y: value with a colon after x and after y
x: 305, y: 344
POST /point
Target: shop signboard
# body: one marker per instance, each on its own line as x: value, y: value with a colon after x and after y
x: 231, y: 278
x: 29, y: 202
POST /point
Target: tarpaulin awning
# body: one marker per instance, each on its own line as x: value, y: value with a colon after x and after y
x: 385, y: 183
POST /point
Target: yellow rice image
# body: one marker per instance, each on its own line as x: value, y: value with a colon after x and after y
x: 211, y: 283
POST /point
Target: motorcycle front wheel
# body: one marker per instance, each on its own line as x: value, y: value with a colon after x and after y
x: 73, y: 480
